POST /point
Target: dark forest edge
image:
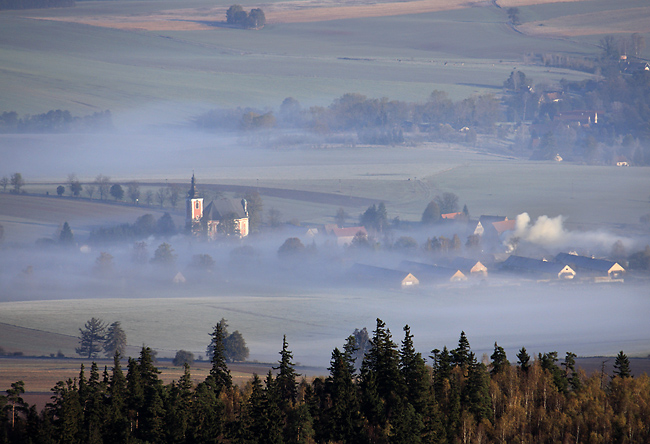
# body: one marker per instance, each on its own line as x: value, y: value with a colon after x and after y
x: 391, y: 397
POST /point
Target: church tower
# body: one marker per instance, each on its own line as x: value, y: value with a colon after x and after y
x: 194, y: 208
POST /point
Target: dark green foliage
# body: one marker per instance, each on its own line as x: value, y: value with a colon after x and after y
x: 548, y: 363
x: 375, y: 217
x: 115, y: 341
x: 235, y: 347
x: 182, y: 358
x: 165, y: 226
x: 431, y: 213
x: 285, y: 381
x: 60, y: 190
x: 499, y: 360
x: 622, y: 366
x: 235, y: 15
x: 91, y: 338
x: 219, y: 372
x: 291, y: 247
x: 144, y: 226
x: 66, y: 237
x: 462, y: 355
x: 381, y: 382
x: 523, y: 359
x: 17, y: 182
x: 117, y: 192
x: 164, y: 255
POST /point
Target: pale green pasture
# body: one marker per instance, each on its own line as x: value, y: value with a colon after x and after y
x: 56, y: 65
x: 541, y: 318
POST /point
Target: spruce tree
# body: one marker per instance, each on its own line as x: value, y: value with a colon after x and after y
x: 117, y: 423
x: 461, y: 355
x: 499, y: 360
x: 381, y: 383
x: 622, y: 366
x: 219, y: 372
x: 286, y: 378
x: 342, y: 420
x: 414, y: 373
x: 523, y: 359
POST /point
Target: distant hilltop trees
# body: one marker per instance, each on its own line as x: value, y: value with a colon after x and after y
x: 54, y: 121
x: 35, y: 4
x: 238, y: 17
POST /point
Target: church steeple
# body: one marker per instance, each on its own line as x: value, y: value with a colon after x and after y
x: 194, y: 208
x: 192, y: 192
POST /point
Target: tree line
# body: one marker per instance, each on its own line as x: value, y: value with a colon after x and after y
x: 254, y: 19
x: 53, y: 121
x: 392, y: 397
x: 374, y: 121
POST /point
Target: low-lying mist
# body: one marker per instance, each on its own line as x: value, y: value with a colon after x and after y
x: 311, y: 297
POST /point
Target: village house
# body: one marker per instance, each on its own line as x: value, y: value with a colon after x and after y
x: 538, y: 268
x: 433, y: 273
x: 344, y: 236
x: 206, y: 220
x: 382, y: 276
x: 599, y: 268
x: 471, y: 267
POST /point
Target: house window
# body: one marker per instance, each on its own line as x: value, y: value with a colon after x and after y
x: 197, y: 205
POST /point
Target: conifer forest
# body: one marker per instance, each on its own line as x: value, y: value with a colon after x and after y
x: 394, y: 395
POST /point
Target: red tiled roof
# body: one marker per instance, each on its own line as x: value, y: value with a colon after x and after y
x: 503, y: 226
x: 348, y: 231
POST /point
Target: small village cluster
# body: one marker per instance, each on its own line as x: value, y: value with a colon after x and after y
x: 488, y: 231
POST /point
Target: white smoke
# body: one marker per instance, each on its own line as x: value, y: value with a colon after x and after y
x: 550, y: 233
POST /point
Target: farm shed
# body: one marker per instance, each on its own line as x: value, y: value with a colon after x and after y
x: 383, y: 276
x: 470, y: 267
x: 344, y: 236
x: 451, y: 215
x: 433, y: 273
x: 179, y: 278
x: 538, y: 267
x: 594, y: 267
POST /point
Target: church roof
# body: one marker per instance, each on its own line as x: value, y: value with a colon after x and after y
x: 222, y: 208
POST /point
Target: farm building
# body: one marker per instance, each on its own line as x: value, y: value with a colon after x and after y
x: 433, y: 273
x: 382, y: 276
x: 578, y: 117
x: 485, y: 224
x: 451, y: 216
x: 207, y: 220
x: 593, y: 267
x: 471, y: 267
x: 179, y: 278
x: 539, y: 268
x: 344, y: 236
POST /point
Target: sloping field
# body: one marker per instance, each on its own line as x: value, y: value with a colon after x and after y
x: 286, y: 12
x: 27, y: 218
x: 596, y: 23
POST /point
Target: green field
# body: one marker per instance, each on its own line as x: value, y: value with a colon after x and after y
x: 59, y: 65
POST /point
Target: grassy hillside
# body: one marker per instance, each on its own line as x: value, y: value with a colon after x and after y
x: 50, y: 64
